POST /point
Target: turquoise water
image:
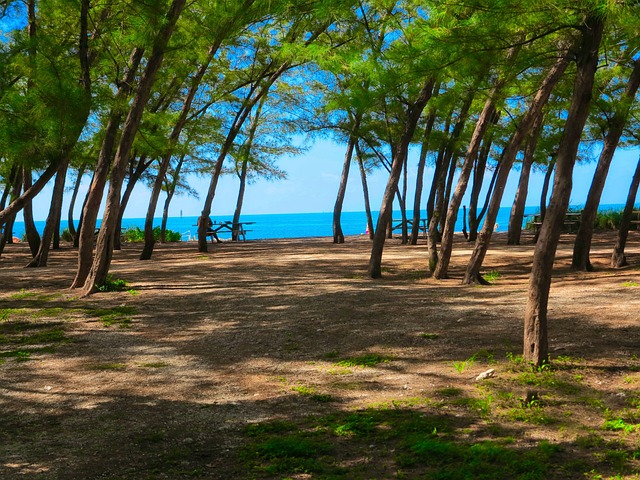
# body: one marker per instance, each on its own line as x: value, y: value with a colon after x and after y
x: 289, y: 225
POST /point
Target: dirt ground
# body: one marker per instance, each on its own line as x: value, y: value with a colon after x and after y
x: 160, y: 381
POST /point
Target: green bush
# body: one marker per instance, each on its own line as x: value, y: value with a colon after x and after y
x: 136, y: 234
x: 66, y: 236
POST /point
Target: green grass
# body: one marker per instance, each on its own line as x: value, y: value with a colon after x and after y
x: 630, y: 284
x: 430, y: 336
x: 113, y: 284
x: 491, y: 276
x: 120, y: 316
x: 369, y: 360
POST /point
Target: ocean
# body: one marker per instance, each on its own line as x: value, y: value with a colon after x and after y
x: 289, y: 225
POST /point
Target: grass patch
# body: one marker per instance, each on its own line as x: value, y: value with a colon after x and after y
x: 369, y: 360
x: 154, y: 365
x: 430, y: 336
x: 112, y: 284
x: 491, y: 276
x: 630, y: 284
x: 120, y: 316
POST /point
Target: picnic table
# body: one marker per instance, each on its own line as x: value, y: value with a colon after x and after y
x: 635, y: 219
x: 571, y: 220
x: 397, y: 224
x: 237, y: 230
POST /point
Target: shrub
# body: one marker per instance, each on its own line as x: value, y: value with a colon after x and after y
x: 136, y: 234
x: 66, y: 236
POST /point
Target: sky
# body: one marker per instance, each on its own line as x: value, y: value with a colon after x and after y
x: 313, y: 180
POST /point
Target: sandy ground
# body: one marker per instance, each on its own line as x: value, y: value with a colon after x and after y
x: 216, y: 341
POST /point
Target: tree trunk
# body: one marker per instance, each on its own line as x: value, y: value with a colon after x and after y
x: 582, y: 245
x: 413, y: 115
x: 33, y: 237
x: 104, y: 247
x: 446, y: 244
x: 41, y: 258
x: 96, y: 190
x: 241, y: 116
x: 149, y: 241
x: 519, y: 203
x: 536, y: 348
x: 338, y: 236
x: 472, y: 274
x: 171, y: 190
x: 72, y: 203
x: 618, y: 258
x: 365, y: 192
x: 417, y: 199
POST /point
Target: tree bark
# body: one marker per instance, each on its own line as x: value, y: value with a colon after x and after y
x: 446, y: 244
x: 536, y: 347
x: 365, y: 192
x: 516, y: 217
x: 422, y: 161
x: 72, y: 202
x: 41, y: 258
x: 414, y: 111
x: 33, y: 237
x: 582, y: 245
x: 472, y: 273
x: 104, y: 246
x: 171, y: 190
x: 338, y: 235
x: 618, y: 258
x: 96, y: 190
x: 135, y: 174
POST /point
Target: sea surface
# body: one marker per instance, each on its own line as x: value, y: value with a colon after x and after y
x: 290, y: 225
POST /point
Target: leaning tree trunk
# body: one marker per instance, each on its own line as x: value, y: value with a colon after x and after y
x: 536, y: 347
x: 479, y: 171
x: 365, y: 192
x: 422, y: 161
x: 171, y: 190
x: 472, y: 273
x: 516, y: 217
x: 414, y: 111
x: 93, y: 199
x: 40, y: 260
x: 618, y: 258
x: 446, y: 244
x: 134, y: 177
x: 582, y: 245
x: 104, y: 247
x: 33, y: 237
x: 338, y: 235
x: 72, y: 202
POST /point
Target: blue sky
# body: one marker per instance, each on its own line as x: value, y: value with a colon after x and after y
x: 313, y: 180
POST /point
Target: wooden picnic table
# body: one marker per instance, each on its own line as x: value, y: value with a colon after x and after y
x: 635, y: 219
x: 228, y: 226
x: 397, y: 224
x: 571, y: 219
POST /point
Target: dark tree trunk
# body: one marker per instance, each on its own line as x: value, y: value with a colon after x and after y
x: 618, y: 258
x: 582, y: 245
x: 506, y: 163
x: 536, y: 348
x: 33, y: 237
x: 96, y: 190
x: 479, y: 171
x: 365, y: 192
x: 254, y: 97
x: 446, y: 244
x: 72, y: 203
x: 171, y: 190
x: 53, y: 219
x: 104, y: 247
x: 134, y: 177
x: 338, y: 235
x: 414, y: 111
x: 417, y: 200
x: 519, y: 203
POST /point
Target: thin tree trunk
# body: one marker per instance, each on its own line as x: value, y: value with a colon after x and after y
x: 413, y: 116
x: 544, y: 194
x: 618, y: 258
x: 41, y: 258
x: 338, y: 235
x: 96, y: 190
x: 422, y: 161
x: 472, y: 274
x: 104, y: 247
x: 171, y: 190
x: 134, y: 176
x: 72, y: 203
x: 33, y: 237
x: 365, y: 192
x: 519, y: 203
x: 536, y: 347
x: 446, y: 244
x: 582, y: 245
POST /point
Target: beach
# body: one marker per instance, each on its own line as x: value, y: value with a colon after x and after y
x: 181, y: 374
